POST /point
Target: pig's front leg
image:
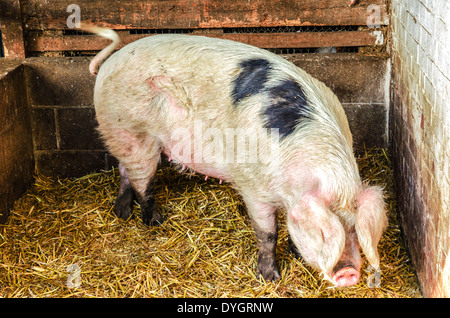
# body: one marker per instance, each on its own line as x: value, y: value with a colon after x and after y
x: 264, y: 221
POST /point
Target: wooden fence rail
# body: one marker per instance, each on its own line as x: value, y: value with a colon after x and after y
x: 38, y: 25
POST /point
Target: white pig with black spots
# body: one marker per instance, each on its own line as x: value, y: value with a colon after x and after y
x: 163, y: 84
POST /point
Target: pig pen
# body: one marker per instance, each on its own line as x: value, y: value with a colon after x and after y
x: 63, y: 240
x: 58, y: 183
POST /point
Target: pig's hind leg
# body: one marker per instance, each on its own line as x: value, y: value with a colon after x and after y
x: 125, y: 196
x: 149, y: 208
x: 263, y: 217
x: 139, y: 157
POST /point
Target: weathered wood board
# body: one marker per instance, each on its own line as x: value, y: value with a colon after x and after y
x: 38, y: 25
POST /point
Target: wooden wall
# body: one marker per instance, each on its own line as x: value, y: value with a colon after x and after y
x: 16, y: 148
x: 41, y: 25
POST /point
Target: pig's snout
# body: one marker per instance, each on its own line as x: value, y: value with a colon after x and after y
x: 346, y: 271
x: 345, y: 275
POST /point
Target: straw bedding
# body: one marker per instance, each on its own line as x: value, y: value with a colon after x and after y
x: 63, y: 240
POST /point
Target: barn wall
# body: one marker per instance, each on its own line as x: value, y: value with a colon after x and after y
x: 62, y: 119
x: 16, y: 151
x: 420, y: 132
x: 65, y: 141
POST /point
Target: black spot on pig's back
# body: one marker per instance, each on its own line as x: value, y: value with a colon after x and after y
x: 251, y: 79
x: 288, y: 106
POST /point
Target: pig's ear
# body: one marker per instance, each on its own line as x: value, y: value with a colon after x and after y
x: 371, y: 221
x: 318, y: 233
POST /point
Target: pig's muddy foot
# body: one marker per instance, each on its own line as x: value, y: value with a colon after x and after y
x: 123, y: 207
x: 123, y: 212
x: 154, y: 220
x: 267, y: 269
x: 150, y: 214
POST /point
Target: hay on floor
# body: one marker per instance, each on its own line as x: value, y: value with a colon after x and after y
x: 62, y: 240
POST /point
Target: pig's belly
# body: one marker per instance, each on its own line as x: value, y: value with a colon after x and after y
x: 211, y: 171
x: 206, y: 168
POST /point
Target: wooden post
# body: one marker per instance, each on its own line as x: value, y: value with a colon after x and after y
x: 12, y: 30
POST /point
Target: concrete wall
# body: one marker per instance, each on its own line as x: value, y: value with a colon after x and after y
x: 420, y: 132
x: 63, y: 117
x: 16, y: 151
x: 362, y: 85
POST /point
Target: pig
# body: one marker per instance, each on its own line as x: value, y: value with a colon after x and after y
x: 169, y: 83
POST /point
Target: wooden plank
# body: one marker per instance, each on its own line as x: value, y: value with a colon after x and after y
x: 303, y: 40
x: 264, y: 40
x: 16, y: 147
x: 191, y: 14
x: 12, y: 31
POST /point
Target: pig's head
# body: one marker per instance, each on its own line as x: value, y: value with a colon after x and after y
x: 331, y: 244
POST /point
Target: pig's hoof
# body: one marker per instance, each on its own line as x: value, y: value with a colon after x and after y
x: 269, y: 276
x: 268, y: 271
x: 152, y: 219
x: 123, y: 211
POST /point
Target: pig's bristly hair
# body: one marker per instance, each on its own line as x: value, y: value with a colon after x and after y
x: 106, y: 52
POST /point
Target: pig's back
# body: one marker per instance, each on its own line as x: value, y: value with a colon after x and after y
x: 224, y: 84
x: 196, y: 73
x: 202, y: 73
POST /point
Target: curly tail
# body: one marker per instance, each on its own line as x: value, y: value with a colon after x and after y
x: 103, y: 55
